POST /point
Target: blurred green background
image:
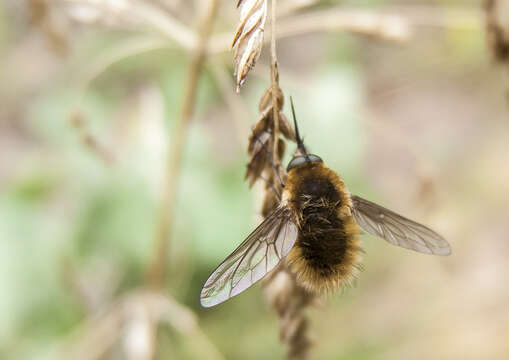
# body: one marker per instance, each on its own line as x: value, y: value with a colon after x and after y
x: 89, y: 98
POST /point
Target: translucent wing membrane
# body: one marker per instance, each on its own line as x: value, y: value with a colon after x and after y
x: 263, y: 249
x: 396, y: 229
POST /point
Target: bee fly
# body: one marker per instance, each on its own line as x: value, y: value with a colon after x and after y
x: 315, y: 230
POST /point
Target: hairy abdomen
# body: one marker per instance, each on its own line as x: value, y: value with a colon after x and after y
x: 326, y: 254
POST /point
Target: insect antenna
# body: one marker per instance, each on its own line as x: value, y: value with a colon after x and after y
x: 300, y: 144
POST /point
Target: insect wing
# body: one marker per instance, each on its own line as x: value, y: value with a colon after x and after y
x: 396, y: 229
x: 263, y: 249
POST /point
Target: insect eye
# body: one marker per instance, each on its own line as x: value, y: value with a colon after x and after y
x: 314, y: 158
x: 299, y: 160
x: 296, y: 161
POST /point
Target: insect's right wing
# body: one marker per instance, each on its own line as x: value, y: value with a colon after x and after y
x: 263, y: 249
x: 397, y: 229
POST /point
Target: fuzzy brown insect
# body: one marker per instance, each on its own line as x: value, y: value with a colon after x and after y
x: 315, y: 230
x: 326, y: 254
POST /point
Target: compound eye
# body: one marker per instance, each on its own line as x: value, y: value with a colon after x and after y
x: 314, y: 158
x: 296, y: 161
x: 299, y: 160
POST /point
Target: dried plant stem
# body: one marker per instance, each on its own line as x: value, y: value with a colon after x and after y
x: 289, y: 8
x: 149, y: 14
x: 274, y: 79
x: 386, y: 27
x: 290, y: 301
x: 113, y: 55
x: 166, y: 24
x: 185, y: 321
x: 95, y: 68
x: 281, y: 289
x: 160, y: 257
x: 395, y: 24
x: 100, y: 332
x: 95, y: 336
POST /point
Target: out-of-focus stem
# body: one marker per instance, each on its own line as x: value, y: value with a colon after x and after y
x: 274, y: 79
x: 160, y: 256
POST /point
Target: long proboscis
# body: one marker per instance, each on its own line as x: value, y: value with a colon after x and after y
x: 300, y: 143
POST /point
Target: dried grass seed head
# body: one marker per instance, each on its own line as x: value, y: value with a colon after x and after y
x: 248, y: 39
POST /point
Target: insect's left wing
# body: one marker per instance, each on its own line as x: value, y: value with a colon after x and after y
x: 397, y: 229
x: 263, y: 249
